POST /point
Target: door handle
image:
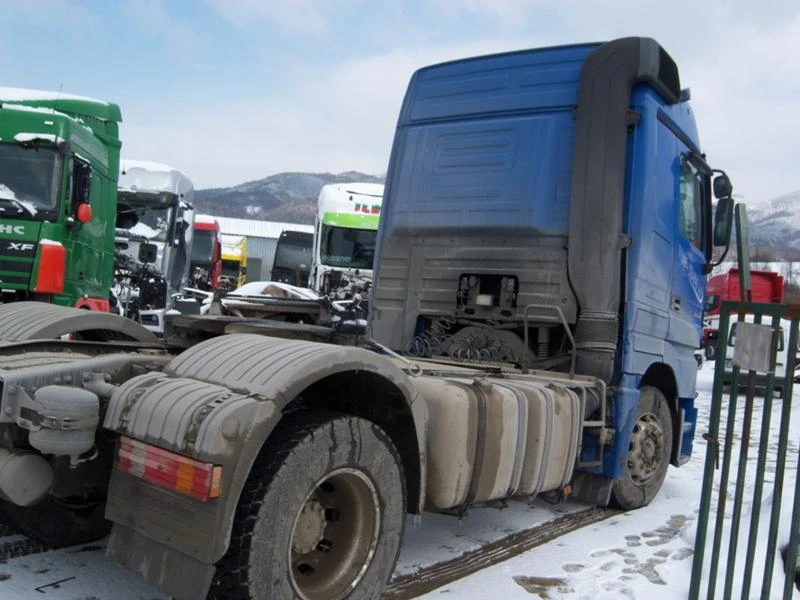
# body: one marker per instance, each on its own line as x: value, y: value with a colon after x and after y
x: 676, y: 303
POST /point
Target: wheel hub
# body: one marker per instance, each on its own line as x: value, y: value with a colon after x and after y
x: 310, y: 528
x: 646, y: 449
x: 335, y: 535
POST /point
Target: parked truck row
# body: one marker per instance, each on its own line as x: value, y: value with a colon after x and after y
x: 546, y: 227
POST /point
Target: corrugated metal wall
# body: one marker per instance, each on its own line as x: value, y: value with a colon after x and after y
x: 264, y: 249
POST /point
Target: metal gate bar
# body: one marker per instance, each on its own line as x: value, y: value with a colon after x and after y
x: 751, y: 380
x: 763, y: 444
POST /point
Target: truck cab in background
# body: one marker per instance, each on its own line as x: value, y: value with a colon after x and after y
x: 59, y: 163
x: 766, y: 286
x: 292, y: 262
x: 234, y: 262
x: 155, y: 225
x: 205, y: 267
x: 345, y: 231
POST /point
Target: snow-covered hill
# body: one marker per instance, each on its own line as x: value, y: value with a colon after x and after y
x: 775, y: 225
x: 286, y: 197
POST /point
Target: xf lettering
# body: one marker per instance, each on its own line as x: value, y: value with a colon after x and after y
x: 20, y: 246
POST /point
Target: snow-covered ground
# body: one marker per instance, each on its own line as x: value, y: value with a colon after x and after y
x: 641, y: 554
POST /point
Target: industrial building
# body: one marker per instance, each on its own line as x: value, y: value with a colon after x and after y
x: 262, y: 237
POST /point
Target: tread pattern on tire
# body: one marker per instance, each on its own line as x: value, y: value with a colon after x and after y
x: 230, y: 581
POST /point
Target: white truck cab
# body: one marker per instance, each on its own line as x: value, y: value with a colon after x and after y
x: 345, y: 231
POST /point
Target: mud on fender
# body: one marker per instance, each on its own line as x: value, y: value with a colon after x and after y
x: 185, y: 415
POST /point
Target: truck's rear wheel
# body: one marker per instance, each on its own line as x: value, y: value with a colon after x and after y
x: 321, y: 515
x: 648, y: 454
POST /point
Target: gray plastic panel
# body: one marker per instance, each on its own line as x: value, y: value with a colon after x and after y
x: 419, y: 275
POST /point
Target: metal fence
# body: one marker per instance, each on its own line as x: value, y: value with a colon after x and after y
x: 756, y: 361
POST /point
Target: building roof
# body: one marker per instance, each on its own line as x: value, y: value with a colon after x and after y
x: 262, y: 229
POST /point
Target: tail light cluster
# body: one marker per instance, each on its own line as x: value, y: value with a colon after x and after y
x: 170, y: 470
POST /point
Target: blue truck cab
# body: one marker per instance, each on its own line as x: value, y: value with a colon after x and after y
x: 552, y: 208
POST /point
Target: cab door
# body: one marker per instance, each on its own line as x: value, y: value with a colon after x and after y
x: 689, y: 262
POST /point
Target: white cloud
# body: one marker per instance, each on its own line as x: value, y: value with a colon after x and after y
x: 293, y: 16
x: 156, y: 19
x: 512, y: 13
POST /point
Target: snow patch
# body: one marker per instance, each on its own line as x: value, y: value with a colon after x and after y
x: 23, y: 138
x: 12, y: 94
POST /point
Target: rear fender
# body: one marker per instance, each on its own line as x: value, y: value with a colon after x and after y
x: 220, y: 400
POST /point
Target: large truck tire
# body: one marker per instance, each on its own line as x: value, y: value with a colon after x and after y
x: 21, y: 321
x: 648, y: 454
x: 321, y: 515
x: 57, y: 525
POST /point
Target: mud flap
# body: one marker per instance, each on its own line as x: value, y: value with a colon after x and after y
x: 590, y: 488
x: 159, y: 564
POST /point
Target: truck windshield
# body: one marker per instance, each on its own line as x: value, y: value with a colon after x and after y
x: 349, y: 248
x: 203, y: 246
x: 30, y: 178
x: 712, y: 302
x: 153, y: 222
x: 230, y: 268
x: 290, y: 255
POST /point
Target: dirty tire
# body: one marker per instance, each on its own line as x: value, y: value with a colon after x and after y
x: 56, y: 525
x: 321, y: 515
x: 648, y: 454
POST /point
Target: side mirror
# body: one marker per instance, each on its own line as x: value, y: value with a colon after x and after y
x: 723, y: 219
x: 82, y: 174
x: 148, y: 253
x: 244, y: 270
x: 84, y: 212
x: 723, y: 188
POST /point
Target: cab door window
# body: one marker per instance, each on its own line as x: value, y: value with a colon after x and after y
x: 691, y: 204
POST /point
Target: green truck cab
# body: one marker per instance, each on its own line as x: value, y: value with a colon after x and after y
x: 59, y: 165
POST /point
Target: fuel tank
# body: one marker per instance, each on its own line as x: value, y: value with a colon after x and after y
x: 491, y: 439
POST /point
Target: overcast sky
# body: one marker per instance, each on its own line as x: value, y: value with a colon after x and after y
x: 235, y: 90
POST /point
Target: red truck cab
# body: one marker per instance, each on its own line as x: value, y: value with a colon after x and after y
x: 767, y: 287
x: 206, y: 261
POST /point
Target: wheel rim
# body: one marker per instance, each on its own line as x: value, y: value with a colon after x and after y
x: 647, y: 449
x: 334, y: 535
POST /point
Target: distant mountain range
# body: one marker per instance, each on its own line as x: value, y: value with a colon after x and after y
x: 285, y: 197
x: 774, y: 226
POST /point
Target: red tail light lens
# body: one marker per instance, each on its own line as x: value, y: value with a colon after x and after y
x: 52, y: 261
x: 170, y: 470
